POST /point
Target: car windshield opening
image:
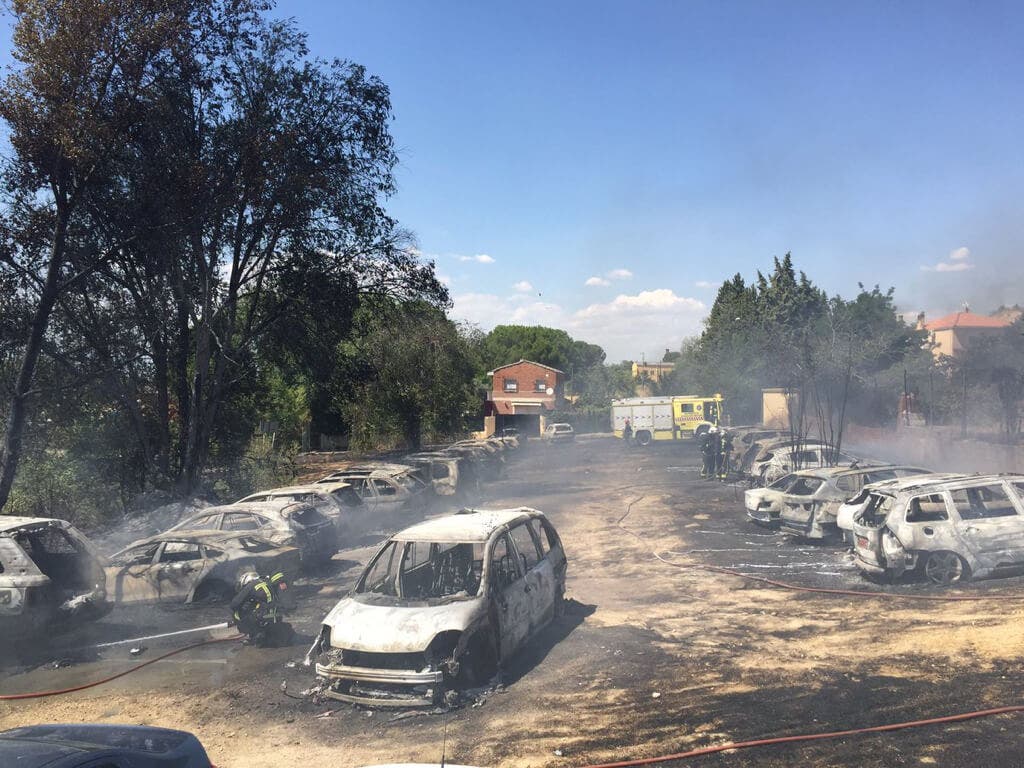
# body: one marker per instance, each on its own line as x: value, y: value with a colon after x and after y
x: 422, y: 570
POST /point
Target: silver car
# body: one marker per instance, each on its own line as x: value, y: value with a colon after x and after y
x: 951, y: 529
x: 809, y: 507
x: 442, y: 604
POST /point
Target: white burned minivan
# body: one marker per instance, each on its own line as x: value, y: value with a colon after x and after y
x: 442, y: 604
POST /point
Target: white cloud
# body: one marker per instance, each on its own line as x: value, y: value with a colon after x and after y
x: 597, y: 281
x: 627, y: 327
x: 619, y: 274
x: 443, y: 279
x: 480, y: 258
x: 958, y: 261
x: 949, y: 266
x: 959, y: 254
x: 705, y: 284
x: 523, y: 286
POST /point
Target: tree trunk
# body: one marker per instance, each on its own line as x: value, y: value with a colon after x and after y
x: 10, y: 452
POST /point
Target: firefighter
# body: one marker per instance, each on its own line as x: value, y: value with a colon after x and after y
x: 706, y: 447
x: 715, y: 450
x: 725, y: 454
x: 627, y: 432
x: 258, y: 609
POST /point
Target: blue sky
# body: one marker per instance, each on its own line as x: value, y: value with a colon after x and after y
x: 545, y: 144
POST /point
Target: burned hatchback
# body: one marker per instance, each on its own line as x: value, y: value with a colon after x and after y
x: 51, y: 576
x: 440, y: 606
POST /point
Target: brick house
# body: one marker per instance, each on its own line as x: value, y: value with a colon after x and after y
x: 522, y: 395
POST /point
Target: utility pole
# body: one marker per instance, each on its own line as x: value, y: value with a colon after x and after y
x: 963, y: 409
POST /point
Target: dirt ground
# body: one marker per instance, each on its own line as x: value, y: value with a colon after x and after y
x: 652, y: 657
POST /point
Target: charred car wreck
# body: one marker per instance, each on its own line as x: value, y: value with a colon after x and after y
x: 51, y: 577
x: 440, y: 606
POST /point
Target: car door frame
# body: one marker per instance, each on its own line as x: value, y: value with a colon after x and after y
x: 980, y: 535
x: 540, y: 580
x: 511, y: 602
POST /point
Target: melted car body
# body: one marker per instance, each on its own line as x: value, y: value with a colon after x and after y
x: 187, y: 566
x: 51, y: 576
x: 950, y: 529
x: 441, y: 603
x: 810, y: 504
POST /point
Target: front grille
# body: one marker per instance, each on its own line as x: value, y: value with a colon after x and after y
x: 372, y: 660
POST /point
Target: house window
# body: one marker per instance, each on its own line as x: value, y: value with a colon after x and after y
x: 540, y: 385
x: 511, y: 385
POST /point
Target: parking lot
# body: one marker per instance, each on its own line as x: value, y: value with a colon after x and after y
x: 653, y: 656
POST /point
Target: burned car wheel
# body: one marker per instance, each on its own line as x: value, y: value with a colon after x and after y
x: 945, y: 568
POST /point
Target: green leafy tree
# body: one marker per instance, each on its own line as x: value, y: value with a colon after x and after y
x: 415, y: 374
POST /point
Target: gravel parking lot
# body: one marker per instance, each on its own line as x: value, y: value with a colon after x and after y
x: 653, y: 656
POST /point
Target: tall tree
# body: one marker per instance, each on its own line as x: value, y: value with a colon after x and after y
x: 83, y: 71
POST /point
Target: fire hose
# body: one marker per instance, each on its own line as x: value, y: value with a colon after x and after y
x: 957, y: 718
x: 702, y: 751
x: 109, y: 678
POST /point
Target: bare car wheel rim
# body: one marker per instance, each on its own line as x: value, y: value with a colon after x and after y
x: 943, y: 568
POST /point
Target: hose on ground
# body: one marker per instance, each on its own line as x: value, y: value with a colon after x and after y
x: 701, y: 751
x: 960, y: 717
x: 109, y: 678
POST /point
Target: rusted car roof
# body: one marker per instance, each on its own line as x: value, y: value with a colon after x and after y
x: 466, y: 526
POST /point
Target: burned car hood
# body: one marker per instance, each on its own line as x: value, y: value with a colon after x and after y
x: 364, y: 626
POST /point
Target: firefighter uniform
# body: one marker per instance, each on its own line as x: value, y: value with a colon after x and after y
x: 725, y: 455
x: 258, y: 610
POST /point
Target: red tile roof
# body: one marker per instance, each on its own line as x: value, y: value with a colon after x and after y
x: 965, y: 320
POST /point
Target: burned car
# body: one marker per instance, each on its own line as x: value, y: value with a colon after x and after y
x: 440, y: 605
x: 283, y: 522
x: 51, y: 576
x: 338, y: 501
x: 188, y: 566
x: 764, y: 504
x: 384, y: 488
x: 442, y: 469
x: 808, y: 508
x: 781, y: 460
x: 950, y: 530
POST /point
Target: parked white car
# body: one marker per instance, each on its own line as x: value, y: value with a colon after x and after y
x: 442, y: 604
x: 558, y: 433
x: 809, y: 507
x: 951, y: 529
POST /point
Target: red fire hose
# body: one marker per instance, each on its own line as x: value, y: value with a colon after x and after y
x: 136, y: 668
x: 811, y: 737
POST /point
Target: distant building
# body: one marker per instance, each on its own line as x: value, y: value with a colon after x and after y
x: 953, y: 334
x: 647, y: 374
x: 522, y: 395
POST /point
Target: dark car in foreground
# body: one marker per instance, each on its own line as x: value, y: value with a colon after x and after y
x: 82, y: 745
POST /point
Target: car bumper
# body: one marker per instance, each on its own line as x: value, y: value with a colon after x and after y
x: 765, y: 515
x: 380, y: 687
